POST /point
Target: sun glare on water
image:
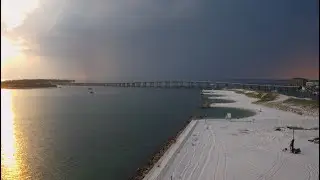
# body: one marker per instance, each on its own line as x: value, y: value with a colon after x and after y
x: 10, y: 168
x: 13, y: 15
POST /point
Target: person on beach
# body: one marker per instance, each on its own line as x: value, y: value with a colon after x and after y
x: 292, y: 145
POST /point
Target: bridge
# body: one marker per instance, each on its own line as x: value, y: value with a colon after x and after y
x: 153, y: 84
x: 194, y: 84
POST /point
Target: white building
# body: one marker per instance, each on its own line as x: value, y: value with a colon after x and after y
x: 312, y: 83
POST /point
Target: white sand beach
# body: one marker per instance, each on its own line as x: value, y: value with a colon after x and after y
x: 243, y: 149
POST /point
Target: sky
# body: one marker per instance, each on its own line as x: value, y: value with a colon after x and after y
x: 122, y: 40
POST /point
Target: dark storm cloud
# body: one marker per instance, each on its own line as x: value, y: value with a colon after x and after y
x: 182, y: 39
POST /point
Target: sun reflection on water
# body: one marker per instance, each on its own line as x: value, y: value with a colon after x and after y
x: 9, y: 154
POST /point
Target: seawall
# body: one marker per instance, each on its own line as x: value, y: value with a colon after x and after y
x: 160, y: 168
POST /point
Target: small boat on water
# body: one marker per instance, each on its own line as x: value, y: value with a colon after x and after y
x: 90, y: 90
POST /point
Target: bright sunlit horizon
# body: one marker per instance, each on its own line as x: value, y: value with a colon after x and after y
x: 9, y: 51
x: 14, y: 12
x: 13, y: 15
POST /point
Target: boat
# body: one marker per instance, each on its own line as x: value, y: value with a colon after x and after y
x: 90, y: 90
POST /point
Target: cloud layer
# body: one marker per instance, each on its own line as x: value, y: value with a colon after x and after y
x: 180, y: 39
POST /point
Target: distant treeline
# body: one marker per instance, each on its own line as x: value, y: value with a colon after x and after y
x: 260, y: 81
x: 33, y: 83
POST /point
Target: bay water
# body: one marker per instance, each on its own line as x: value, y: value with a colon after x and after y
x: 68, y: 133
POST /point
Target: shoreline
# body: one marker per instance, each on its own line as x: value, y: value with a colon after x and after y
x: 161, y: 166
x: 156, y: 158
x: 33, y: 83
x: 22, y: 88
x: 274, y: 117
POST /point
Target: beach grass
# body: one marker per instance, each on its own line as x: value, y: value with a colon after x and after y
x: 302, y: 102
x: 266, y: 97
x: 261, y: 96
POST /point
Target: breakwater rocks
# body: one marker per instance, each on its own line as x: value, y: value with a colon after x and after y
x: 141, y: 172
x: 295, y: 109
x: 223, y: 101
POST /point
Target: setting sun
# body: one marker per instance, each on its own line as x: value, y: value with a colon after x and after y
x: 9, y: 51
x: 13, y: 15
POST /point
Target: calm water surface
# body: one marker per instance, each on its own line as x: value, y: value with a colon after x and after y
x: 67, y: 133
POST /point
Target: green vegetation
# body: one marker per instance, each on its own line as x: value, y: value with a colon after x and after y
x: 253, y: 95
x: 302, y: 102
x: 262, y: 96
x: 265, y: 97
